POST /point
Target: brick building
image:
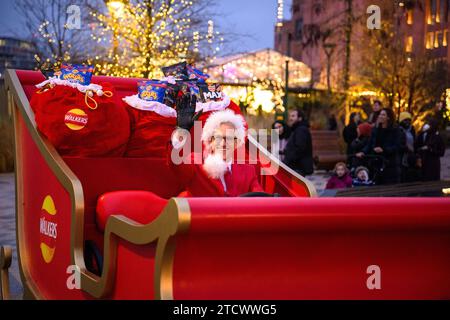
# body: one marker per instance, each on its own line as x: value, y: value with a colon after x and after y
x: 422, y: 24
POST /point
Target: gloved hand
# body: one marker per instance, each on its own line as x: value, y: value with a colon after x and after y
x: 186, y: 111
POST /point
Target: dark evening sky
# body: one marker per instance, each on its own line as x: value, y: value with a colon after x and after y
x: 255, y: 18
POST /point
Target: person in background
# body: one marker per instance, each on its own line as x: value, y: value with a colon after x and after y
x: 341, y: 177
x: 332, y: 123
x: 283, y: 133
x: 364, y: 130
x: 376, y: 109
x: 362, y: 178
x: 408, y: 155
x: 298, y: 151
x: 385, y: 142
x: 430, y: 148
x: 350, y: 131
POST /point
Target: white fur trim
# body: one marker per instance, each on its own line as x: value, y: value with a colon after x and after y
x: 219, y: 117
x: 155, y: 106
x: 215, y: 166
x: 213, y: 105
x: 55, y: 81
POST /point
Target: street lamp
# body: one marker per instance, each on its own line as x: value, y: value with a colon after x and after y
x: 329, y: 49
x: 115, y: 7
x: 116, y: 10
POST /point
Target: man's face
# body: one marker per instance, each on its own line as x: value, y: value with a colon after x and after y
x: 293, y: 117
x: 224, y: 141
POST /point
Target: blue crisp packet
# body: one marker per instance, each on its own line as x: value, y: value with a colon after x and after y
x: 195, y: 74
x: 76, y: 73
x: 152, y: 90
x: 177, y: 70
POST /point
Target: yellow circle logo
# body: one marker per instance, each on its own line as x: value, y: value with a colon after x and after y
x: 48, y: 229
x: 76, y: 119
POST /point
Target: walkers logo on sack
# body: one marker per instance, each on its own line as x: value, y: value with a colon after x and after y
x: 76, y: 119
x: 48, y: 229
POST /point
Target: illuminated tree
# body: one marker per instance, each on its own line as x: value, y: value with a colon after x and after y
x: 144, y: 35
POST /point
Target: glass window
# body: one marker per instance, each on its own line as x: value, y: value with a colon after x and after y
x: 437, y: 39
x: 299, y: 29
x: 429, y: 40
x: 409, y: 16
x: 409, y: 44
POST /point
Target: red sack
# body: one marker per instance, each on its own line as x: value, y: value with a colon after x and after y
x: 151, y: 130
x: 81, y: 125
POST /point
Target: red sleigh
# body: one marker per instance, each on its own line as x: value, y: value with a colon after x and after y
x: 296, y: 246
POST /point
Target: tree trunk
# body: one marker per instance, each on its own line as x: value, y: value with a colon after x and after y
x: 348, y: 39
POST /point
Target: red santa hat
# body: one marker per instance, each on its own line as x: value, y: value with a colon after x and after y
x: 225, y: 116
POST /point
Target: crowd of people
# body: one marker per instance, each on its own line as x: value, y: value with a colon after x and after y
x: 390, y: 151
x: 381, y: 150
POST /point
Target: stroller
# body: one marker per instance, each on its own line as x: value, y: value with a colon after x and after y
x: 375, y: 163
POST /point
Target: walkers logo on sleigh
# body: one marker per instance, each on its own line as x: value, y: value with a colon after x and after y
x: 76, y: 119
x: 48, y: 229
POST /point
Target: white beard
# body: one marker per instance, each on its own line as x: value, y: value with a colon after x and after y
x: 214, y: 166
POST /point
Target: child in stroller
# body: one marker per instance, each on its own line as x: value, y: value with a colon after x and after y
x: 374, y: 166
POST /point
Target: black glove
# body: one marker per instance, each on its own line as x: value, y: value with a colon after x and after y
x: 186, y: 111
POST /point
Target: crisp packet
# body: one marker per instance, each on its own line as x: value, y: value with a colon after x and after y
x: 195, y: 74
x: 76, y: 73
x: 177, y: 70
x: 152, y: 90
x: 210, y: 92
x: 190, y: 87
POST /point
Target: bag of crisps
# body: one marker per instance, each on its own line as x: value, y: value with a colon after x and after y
x: 80, y: 118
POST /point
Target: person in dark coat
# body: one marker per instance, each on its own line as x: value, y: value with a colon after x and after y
x: 409, y: 172
x: 332, y: 123
x: 350, y: 131
x: 376, y: 109
x: 298, y: 152
x: 283, y: 134
x: 385, y: 142
x: 358, y: 145
x: 430, y: 148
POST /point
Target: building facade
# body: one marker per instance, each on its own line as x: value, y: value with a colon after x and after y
x: 14, y: 54
x: 315, y: 34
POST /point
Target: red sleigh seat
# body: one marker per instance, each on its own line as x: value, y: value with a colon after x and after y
x: 139, y: 206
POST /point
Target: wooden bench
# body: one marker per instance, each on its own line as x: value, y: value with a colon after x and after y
x: 326, y: 149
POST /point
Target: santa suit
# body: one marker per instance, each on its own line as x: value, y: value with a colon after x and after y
x: 239, y: 179
x: 214, y: 178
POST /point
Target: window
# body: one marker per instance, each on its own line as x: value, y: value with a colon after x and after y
x: 437, y: 39
x: 433, y: 9
x: 409, y: 16
x: 442, y: 11
x: 2, y: 42
x: 409, y: 44
x: 429, y: 40
x: 445, y: 38
x: 298, y: 35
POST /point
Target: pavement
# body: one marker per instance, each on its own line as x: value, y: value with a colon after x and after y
x: 8, y: 228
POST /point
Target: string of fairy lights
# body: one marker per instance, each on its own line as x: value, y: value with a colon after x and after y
x: 150, y: 34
